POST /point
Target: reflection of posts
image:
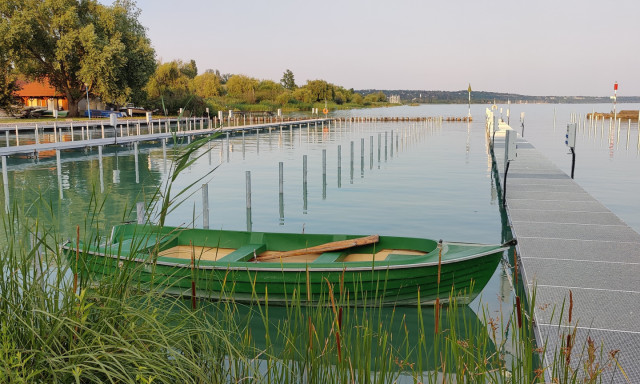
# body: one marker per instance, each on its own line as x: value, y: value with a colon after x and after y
x: 509, y: 155
x: 570, y: 141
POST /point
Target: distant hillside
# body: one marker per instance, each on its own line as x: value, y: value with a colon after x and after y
x: 482, y: 97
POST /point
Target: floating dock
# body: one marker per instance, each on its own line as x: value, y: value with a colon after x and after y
x: 576, y: 255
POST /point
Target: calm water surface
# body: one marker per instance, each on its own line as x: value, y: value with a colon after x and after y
x: 428, y: 181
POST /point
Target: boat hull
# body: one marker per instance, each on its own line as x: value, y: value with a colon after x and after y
x: 462, y: 272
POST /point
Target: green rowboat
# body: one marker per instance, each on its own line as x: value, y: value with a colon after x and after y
x: 280, y: 267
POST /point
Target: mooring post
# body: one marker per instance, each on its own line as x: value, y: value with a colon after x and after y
x: 17, y: 139
x: 36, y: 133
x: 55, y: 132
x: 391, y: 154
x: 6, y: 133
x: 205, y: 206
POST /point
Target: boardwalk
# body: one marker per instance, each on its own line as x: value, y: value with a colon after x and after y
x: 570, y: 242
x: 99, y: 135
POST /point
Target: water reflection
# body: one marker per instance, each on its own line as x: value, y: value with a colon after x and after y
x: 401, y: 340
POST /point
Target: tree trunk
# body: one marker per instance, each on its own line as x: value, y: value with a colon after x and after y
x: 73, y: 105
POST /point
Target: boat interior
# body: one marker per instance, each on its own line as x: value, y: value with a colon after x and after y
x: 223, y: 254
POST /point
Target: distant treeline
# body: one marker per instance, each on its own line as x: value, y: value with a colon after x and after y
x: 482, y: 97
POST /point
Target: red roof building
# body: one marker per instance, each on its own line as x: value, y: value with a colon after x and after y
x: 41, y: 94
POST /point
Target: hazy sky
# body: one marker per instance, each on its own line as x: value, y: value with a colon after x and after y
x: 536, y: 47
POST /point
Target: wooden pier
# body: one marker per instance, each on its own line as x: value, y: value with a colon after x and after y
x: 580, y: 259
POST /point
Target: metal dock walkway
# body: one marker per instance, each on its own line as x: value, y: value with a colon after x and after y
x: 570, y: 242
x: 117, y: 135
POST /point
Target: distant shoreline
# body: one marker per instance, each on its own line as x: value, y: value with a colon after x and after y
x: 483, y: 97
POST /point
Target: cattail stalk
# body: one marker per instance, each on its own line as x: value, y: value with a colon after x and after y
x: 570, y: 305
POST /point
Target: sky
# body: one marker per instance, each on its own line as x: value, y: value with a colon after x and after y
x: 541, y: 47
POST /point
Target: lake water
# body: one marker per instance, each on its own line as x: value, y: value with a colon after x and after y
x: 430, y: 180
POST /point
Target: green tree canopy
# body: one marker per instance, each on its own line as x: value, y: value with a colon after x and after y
x: 8, y: 85
x: 189, y: 69
x: 207, y: 85
x: 268, y: 90
x: 320, y: 90
x: 242, y: 87
x: 288, y: 81
x: 168, y: 80
x: 78, y: 42
x: 375, y: 97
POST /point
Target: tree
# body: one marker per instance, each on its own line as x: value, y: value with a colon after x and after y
x: 357, y: 98
x: 268, y: 90
x: 302, y: 94
x: 168, y: 88
x: 375, y: 97
x: 78, y: 44
x: 288, y: 81
x: 8, y: 85
x: 168, y: 80
x: 207, y: 85
x: 242, y: 87
x: 223, y: 77
x: 189, y: 69
x: 320, y: 90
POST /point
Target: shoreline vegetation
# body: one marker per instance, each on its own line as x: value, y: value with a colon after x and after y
x: 57, y: 325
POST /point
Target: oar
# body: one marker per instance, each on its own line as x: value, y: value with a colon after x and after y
x: 328, y: 247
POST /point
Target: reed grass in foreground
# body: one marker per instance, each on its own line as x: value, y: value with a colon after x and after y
x: 110, y: 331
x: 55, y: 328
